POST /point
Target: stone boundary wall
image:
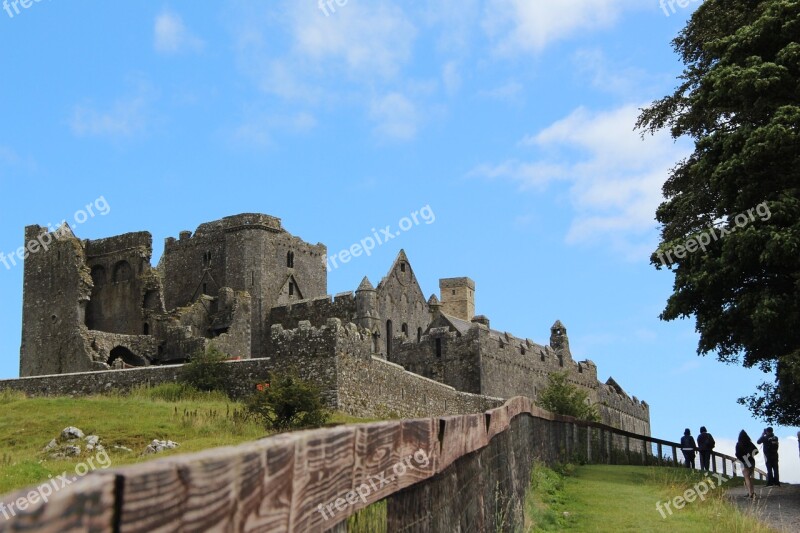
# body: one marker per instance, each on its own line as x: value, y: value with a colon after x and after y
x: 87, y: 383
x: 377, y: 387
x: 335, y: 357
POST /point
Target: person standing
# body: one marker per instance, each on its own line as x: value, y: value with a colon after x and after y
x: 770, y: 442
x: 705, y: 444
x: 688, y: 447
x: 746, y: 452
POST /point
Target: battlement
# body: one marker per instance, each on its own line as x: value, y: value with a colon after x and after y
x: 316, y: 311
x: 252, y: 221
x: 138, y: 241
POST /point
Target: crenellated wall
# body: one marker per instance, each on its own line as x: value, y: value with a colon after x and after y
x: 317, y: 311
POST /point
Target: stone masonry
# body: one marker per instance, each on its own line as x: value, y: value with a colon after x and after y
x: 247, y: 287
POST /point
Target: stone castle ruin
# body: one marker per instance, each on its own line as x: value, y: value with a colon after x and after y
x: 246, y: 286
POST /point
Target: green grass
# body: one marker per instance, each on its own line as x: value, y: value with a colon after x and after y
x: 195, y: 420
x: 596, y: 498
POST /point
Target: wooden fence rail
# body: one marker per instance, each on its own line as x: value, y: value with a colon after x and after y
x: 455, y: 473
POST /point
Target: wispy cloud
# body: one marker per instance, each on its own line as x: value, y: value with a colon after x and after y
x: 172, y: 37
x: 259, y: 128
x: 396, y: 117
x: 508, y: 91
x: 8, y: 156
x: 525, y: 26
x: 126, y: 117
x: 614, y: 175
x: 618, y: 79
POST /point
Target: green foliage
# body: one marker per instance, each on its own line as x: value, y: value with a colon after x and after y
x: 562, y: 397
x: 207, y: 371
x: 545, y: 494
x: 738, y: 101
x: 287, y: 402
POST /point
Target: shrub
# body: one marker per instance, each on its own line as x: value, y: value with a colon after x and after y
x: 287, y: 402
x: 207, y: 371
x: 562, y: 397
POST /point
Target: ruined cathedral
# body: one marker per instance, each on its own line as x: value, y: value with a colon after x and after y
x: 248, y: 287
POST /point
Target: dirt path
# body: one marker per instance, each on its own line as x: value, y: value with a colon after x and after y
x: 778, y: 507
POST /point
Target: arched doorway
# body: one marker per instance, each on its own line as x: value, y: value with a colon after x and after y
x: 127, y: 356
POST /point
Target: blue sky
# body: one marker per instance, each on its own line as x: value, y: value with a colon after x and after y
x: 512, y: 120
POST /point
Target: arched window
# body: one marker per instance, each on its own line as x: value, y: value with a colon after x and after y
x: 419, y: 334
x: 290, y: 259
x: 122, y: 272
x: 405, y: 330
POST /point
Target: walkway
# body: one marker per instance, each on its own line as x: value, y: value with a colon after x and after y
x: 778, y: 507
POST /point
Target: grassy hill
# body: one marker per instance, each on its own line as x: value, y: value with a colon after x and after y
x: 599, y: 498
x: 592, y: 498
x: 195, y: 421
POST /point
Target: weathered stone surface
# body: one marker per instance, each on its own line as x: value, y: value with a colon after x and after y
x: 71, y: 433
x: 158, y: 446
x: 247, y: 287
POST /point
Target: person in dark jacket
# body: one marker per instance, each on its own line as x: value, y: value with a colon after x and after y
x: 688, y: 447
x: 746, y: 453
x: 770, y: 442
x: 705, y: 443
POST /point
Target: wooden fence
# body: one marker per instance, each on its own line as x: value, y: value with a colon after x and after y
x: 464, y: 473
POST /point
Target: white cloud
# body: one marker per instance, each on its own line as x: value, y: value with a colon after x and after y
x: 257, y: 130
x: 618, y: 79
x: 125, y: 117
x: 530, y: 26
x: 396, y: 116
x: 615, y: 176
x: 172, y: 37
x: 788, y: 458
x: 508, y: 91
x: 366, y: 38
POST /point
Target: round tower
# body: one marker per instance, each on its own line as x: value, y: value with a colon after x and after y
x: 367, y: 306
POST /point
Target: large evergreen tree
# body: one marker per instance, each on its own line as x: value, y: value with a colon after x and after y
x: 739, y: 100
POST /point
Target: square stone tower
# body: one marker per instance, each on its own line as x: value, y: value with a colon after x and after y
x: 458, y: 297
